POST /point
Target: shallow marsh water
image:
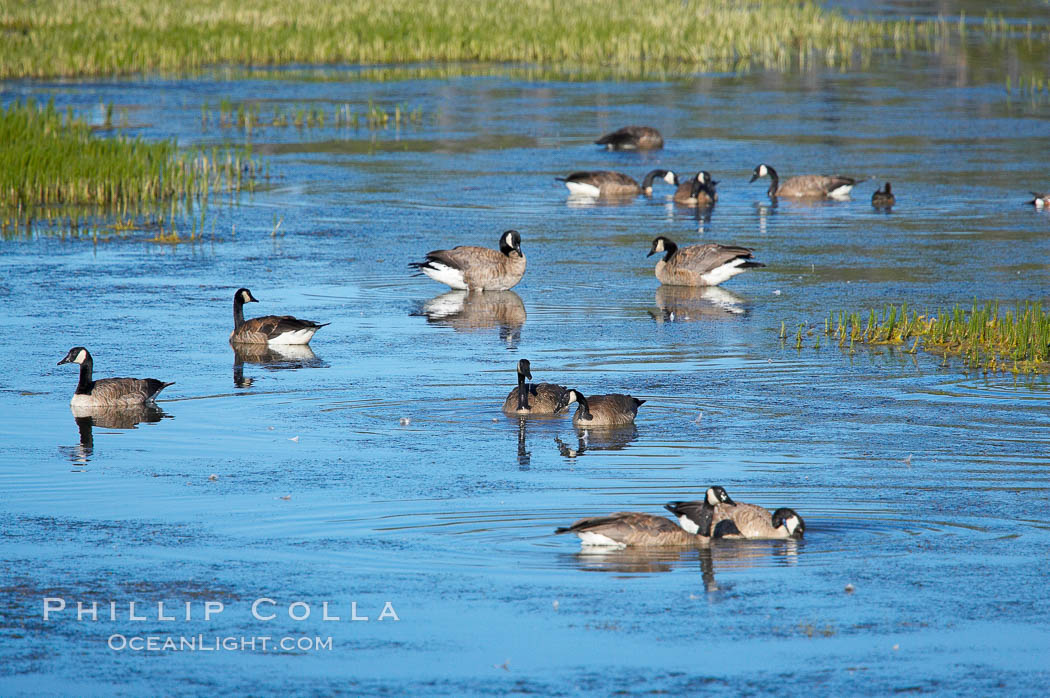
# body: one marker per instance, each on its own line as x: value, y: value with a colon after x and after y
x: 922, y: 486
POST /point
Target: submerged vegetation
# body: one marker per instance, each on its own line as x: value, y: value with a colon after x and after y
x: 45, y: 38
x: 984, y: 337
x: 251, y: 116
x: 55, y: 170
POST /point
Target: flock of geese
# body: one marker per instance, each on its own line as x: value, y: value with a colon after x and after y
x: 479, y: 269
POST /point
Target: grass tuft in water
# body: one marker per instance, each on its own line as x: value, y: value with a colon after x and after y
x: 984, y: 337
x: 55, y: 170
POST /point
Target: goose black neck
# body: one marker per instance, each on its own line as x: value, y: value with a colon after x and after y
x: 669, y: 250
x: 647, y: 183
x: 585, y: 409
x: 238, y: 311
x: 774, y: 182
x: 85, y: 383
x: 523, y: 402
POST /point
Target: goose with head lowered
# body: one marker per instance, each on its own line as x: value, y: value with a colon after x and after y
x: 268, y: 329
x: 612, y: 410
x: 631, y: 529
x: 805, y: 186
x: 632, y: 138
x: 699, y: 265
x: 698, y: 516
x: 477, y: 268
x: 729, y: 519
x: 533, y: 398
x: 111, y: 392
x: 605, y: 184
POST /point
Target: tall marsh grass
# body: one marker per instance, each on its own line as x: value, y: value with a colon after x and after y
x: 44, y: 38
x: 54, y: 168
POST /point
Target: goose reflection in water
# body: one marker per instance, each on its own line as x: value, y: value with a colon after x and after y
x: 604, y: 439
x: 466, y: 311
x: 107, y: 417
x: 696, y: 303
x: 271, y: 357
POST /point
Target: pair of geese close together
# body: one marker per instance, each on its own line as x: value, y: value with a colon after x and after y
x: 549, y: 399
x: 716, y: 516
x: 482, y: 269
x: 132, y: 392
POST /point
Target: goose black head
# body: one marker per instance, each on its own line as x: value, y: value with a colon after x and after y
x: 791, y: 522
x: 525, y: 368
x: 760, y: 171
x: 509, y: 242
x: 76, y: 355
x: 717, y: 495
x: 245, y: 296
x: 572, y: 395
x: 661, y: 244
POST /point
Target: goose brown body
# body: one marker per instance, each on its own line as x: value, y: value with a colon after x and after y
x: 612, y: 410
x: 632, y: 138
x: 805, y: 186
x: 743, y: 520
x: 632, y: 529
x: 539, y: 398
x: 883, y: 198
x: 698, y: 191
x: 477, y: 268
x: 113, y: 392
x: 268, y: 329
x: 609, y: 184
x: 699, y: 265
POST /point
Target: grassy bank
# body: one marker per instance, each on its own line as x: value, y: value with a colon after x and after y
x: 985, y: 337
x: 44, y: 38
x: 54, y: 168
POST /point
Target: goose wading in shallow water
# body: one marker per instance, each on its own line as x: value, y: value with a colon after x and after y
x: 699, y: 265
x: 269, y: 329
x: 698, y: 191
x: 613, y: 410
x: 805, y: 186
x: 533, y: 398
x: 113, y: 392
x: 610, y: 185
x: 699, y: 516
x: 632, y: 138
x: 477, y: 268
x: 632, y: 529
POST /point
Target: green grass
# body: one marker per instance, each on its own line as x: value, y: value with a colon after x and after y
x: 55, y: 170
x: 249, y: 116
x: 985, y: 337
x: 46, y: 38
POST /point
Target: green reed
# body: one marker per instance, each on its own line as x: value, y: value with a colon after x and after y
x: 55, y: 169
x: 44, y: 38
x: 985, y: 337
x: 251, y: 116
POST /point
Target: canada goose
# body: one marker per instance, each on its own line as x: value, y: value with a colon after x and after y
x: 698, y: 516
x: 698, y: 191
x: 632, y: 138
x: 608, y: 184
x: 1040, y: 200
x: 613, y: 410
x: 742, y: 520
x: 811, y: 186
x: 535, y: 398
x: 109, y: 391
x: 699, y: 265
x: 268, y: 329
x: 631, y: 528
x: 477, y: 268
x: 883, y: 198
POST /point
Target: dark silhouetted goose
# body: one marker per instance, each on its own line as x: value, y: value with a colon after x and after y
x: 613, y: 185
x: 613, y: 410
x: 698, y: 516
x: 1040, y: 200
x: 632, y: 138
x: 477, y: 268
x: 533, y: 398
x: 630, y: 528
x: 269, y: 329
x: 883, y: 198
x: 109, y: 391
x: 805, y: 186
x: 699, y: 265
x: 742, y: 520
x: 698, y: 191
